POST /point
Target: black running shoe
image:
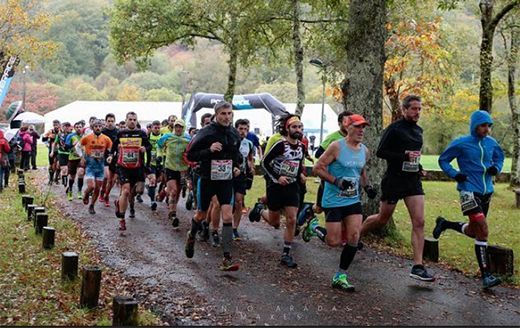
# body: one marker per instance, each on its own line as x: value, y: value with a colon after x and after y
x: 215, y: 239
x: 154, y: 206
x: 288, y: 261
x: 175, y: 222
x: 139, y: 198
x: 439, y: 222
x: 419, y: 272
x: 360, y: 245
x: 183, y: 191
x: 189, y: 201
x: 132, y: 212
x: 256, y: 213
x: 488, y: 280
x: 189, y: 247
x: 91, y: 210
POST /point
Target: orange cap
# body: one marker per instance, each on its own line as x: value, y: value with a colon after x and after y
x: 357, y: 120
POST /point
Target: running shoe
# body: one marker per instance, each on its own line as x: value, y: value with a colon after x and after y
x: 236, y: 236
x: 340, y: 281
x: 91, y: 210
x: 229, y: 265
x: 101, y: 198
x: 80, y: 195
x: 489, y: 280
x: 69, y: 196
x: 308, y: 231
x: 183, y: 191
x: 419, y: 272
x: 132, y: 213
x: 107, y: 202
x: 204, y: 233
x: 122, y: 225
x: 288, y: 261
x: 139, y: 198
x: 439, y: 222
x: 215, y: 239
x: 189, y: 201
x: 116, y: 205
x: 360, y: 245
x: 85, y: 199
x: 189, y: 247
x: 256, y: 212
x: 154, y: 206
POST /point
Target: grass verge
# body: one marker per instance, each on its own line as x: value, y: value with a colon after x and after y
x: 30, y: 279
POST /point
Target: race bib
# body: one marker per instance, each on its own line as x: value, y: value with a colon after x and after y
x: 289, y: 168
x: 130, y: 155
x: 221, y: 169
x: 352, y: 189
x: 130, y: 152
x: 411, y: 166
x: 467, y: 201
x: 97, y: 153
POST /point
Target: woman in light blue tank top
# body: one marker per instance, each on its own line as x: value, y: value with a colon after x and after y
x: 342, y: 167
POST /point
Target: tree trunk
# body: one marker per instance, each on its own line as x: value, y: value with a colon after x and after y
x: 298, y: 58
x: 232, y: 63
x: 515, y: 114
x: 364, y: 78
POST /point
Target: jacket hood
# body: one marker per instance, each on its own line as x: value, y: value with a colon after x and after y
x: 179, y: 122
x: 478, y: 117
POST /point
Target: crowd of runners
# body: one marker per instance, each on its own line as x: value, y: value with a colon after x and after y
x: 212, y: 168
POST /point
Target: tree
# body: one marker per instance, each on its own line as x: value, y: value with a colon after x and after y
x: 489, y: 21
x: 364, y: 75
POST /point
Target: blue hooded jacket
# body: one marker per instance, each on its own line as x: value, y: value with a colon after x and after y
x: 474, y: 156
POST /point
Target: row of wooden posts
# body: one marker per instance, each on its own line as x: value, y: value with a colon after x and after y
x: 124, y: 308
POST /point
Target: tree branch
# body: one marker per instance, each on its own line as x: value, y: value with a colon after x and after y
x: 494, y: 22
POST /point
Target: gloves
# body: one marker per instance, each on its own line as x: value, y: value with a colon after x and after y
x: 340, y: 183
x: 158, y: 160
x: 371, y: 191
x: 492, y: 170
x: 460, y: 177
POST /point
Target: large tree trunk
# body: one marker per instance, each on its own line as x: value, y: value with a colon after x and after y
x: 232, y: 63
x: 298, y: 58
x: 512, y: 62
x: 363, y: 84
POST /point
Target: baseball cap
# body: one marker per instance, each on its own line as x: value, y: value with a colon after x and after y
x: 357, y: 120
x: 179, y: 122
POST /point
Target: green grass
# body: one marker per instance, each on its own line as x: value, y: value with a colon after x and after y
x: 30, y: 279
x: 456, y: 250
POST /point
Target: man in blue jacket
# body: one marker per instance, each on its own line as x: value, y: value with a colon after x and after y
x: 479, y: 158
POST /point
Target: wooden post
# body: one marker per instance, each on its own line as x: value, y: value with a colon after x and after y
x: 69, y: 265
x: 26, y: 200
x: 36, y: 211
x: 48, y: 237
x: 21, y: 187
x: 517, y: 193
x: 30, y: 209
x: 124, y: 311
x: 431, y: 249
x: 42, y: 219
x: 90, y: 286
x: 500, y: 260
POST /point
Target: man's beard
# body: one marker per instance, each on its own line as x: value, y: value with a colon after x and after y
x: 296, y: 135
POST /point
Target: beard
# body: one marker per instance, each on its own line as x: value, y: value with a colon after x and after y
x: 296, y: 135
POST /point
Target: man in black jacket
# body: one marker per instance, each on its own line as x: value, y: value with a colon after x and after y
x: 400, y: 146
x: 216, y: 147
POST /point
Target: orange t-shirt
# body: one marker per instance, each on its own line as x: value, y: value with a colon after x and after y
x: 95, y: 146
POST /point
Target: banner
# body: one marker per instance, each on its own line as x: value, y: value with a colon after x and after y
x: 7, y: 76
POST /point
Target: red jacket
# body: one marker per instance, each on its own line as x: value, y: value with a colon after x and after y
x: 4, y: 148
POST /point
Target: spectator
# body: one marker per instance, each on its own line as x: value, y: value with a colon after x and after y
x: 257, y: 150
x: 25, y: 140
x: 4, y: 161
x: 34, y: 146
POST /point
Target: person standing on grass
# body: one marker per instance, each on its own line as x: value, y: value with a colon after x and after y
x: 480, y: 158
x: 34, y: 146
x: 400, y: 146
x: 4, y: 160
x: 26, y: 141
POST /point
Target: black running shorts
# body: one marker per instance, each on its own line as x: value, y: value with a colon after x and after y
x: 279, y: 196
x: 131, y: 176
x: 63, y: 159
x: 240, y: 184
x: 396, y: 187
x: 172, y: 175
x: 483, y: 204
x: 337, y: 214
x: 207, y: 188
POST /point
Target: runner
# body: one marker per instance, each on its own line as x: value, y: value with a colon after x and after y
x: 400, y: 146
x: 155, y: 162
x: 48, y: 138
x: 283, y: 164
x: 240, y: 183
x: 479, y: 158
x: 109, y: 180
x: 96, y: 146
x: 59, y: 147
x: 75, y: 165
x: 173, y: 146
x: 129, y: 147
x: 343, y: 168
x: 216, y: 147
x: 169, y: 128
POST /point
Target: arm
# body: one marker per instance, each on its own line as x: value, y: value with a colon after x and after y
x: 320, y: 169
x: 319, y: 152
x: 384, y: 150
x: 364, y: 177
x: 451, y: 152
x: 269, y: 156
x: 148, y: 149
x: 498, y: 157
x: 197, y: 150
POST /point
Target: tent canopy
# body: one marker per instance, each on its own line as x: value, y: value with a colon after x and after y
x: 201, y: 100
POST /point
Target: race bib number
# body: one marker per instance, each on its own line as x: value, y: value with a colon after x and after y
x: 130, y: 151
x: 352, y: 189
x: 289, y: 168
x: 97, y: 153
x: 130, y: 155
x: 221, y: 169
x: 411, y: 166
x: 467, y: 201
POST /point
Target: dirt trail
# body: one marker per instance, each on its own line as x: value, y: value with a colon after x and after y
x: 194, y: 291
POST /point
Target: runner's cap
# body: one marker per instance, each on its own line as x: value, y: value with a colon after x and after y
x: 357, y: 120
x: 179, y: 122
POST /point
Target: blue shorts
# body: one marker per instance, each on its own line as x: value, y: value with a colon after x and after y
x: 95, y: 169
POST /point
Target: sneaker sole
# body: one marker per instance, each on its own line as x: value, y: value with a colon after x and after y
x: 189, y: 252
x: 416, y: 277
x: 345, y: 289
x: 234, y: 267
x: 493, y: 285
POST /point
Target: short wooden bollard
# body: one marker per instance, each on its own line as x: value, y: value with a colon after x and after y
x: 36, y: 211
x: 30, y: 209
x: 26, y: 200
x: 42, y: 219
x: 431, y: 249
x: 124, y: 311
x: 517, y: 193
x: 500, y: 260
x: 69, y: 265
x: 48, y: 237
x: 90, y: 286
x: 21, y: 187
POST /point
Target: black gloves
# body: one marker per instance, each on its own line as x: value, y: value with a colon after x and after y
x: 371, y: 191
x: 460, y: 177
x: 492, y: 170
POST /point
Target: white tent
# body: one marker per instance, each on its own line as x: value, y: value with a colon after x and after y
x: 260, y: 119
x: 147, y: 111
